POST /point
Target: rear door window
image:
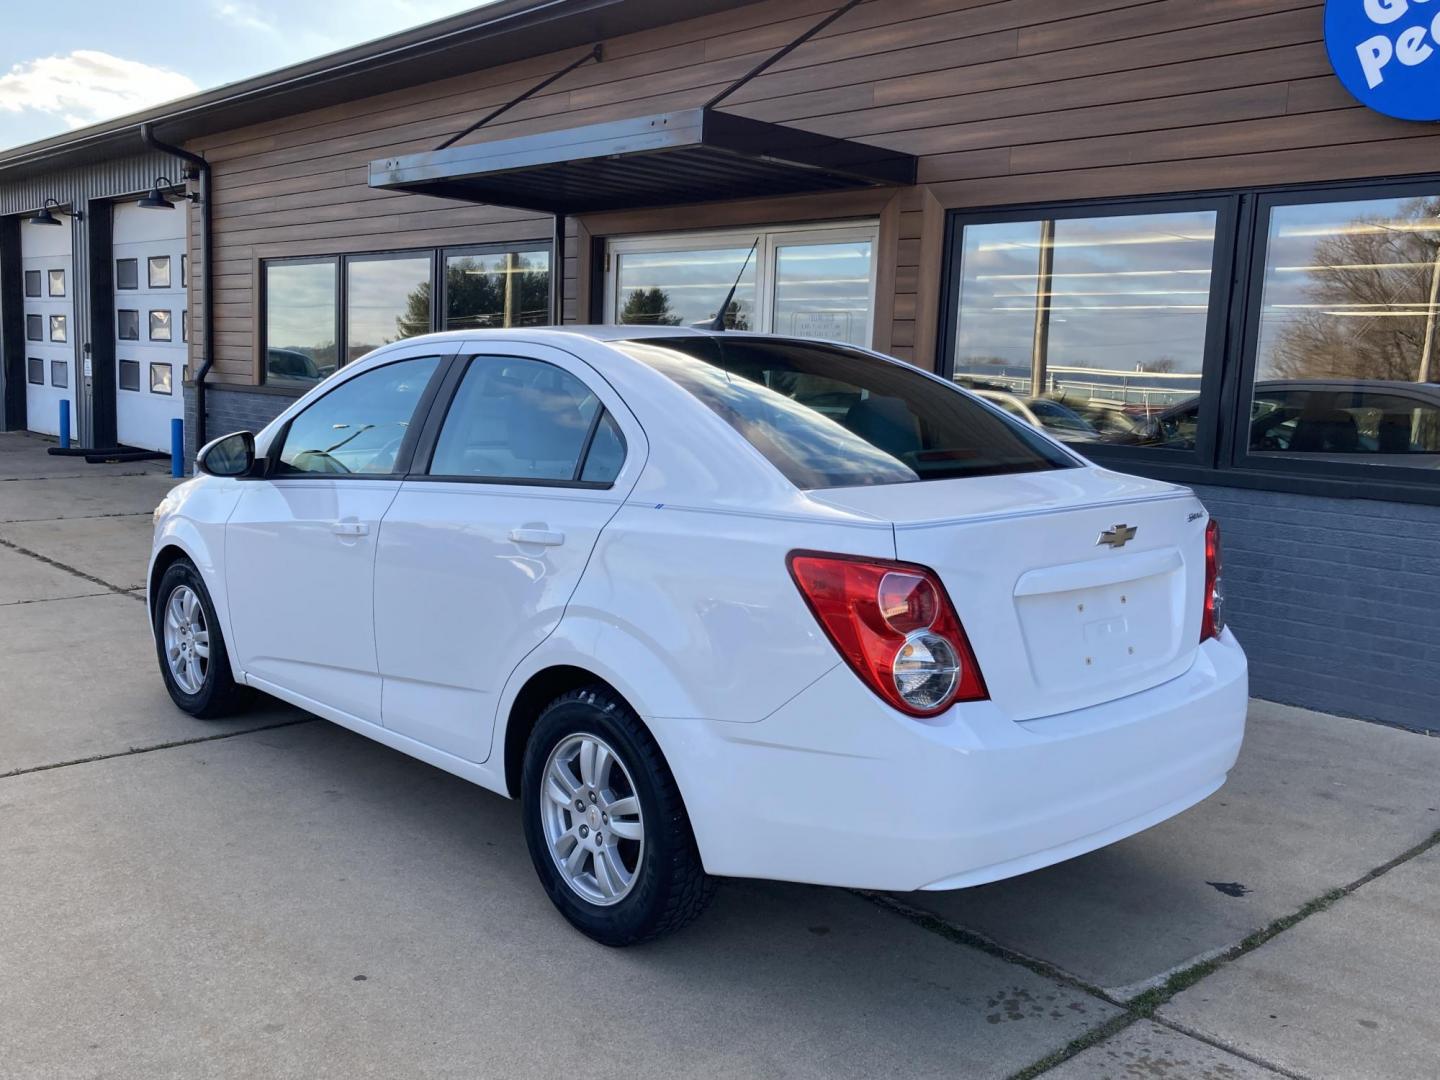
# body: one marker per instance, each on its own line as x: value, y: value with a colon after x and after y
x: 524, y: 421
x: 827, y: 416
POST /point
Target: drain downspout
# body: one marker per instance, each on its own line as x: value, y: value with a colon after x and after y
x: 207, y: 286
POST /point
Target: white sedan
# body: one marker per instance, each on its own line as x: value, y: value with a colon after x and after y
x: 712, y: 604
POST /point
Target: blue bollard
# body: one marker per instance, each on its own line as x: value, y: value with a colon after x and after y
x: 64, y: 423
x: 177, y: 447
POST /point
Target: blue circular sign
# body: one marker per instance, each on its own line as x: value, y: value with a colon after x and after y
x: 1387, y: 53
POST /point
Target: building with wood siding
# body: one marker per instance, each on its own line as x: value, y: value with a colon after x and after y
x: 1162, y: 228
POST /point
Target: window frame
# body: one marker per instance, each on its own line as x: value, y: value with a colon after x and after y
x: 435, y: 423
x: 414, y: 435
x: 341, y: 263
x: 445, y: 254
x: 1226, y: 209
x: 347, y: 261
x: 1238, y: 454
x: 262, y: 291
x: 1228, y: 463
x: 772, y: 238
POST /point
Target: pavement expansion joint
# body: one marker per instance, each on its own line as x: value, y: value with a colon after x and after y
x: 171, y: 745
x: 12, y: 546
x: 1145, y: 1005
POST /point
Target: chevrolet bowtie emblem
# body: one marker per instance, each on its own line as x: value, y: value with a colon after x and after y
x: 1117, y: 536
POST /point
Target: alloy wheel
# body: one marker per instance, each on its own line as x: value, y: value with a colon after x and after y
x: 594, y: 827
x: 187, y: 639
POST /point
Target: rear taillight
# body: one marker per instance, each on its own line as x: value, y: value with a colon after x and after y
x: 1213, y: 619
x: 895, y: 626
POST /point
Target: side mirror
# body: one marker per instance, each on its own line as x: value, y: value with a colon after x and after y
x: 229, y: 455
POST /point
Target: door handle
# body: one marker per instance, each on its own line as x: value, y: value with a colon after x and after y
x: 537, y: 536
x: 350, y: 528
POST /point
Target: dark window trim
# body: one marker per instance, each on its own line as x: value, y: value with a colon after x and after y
x: 64, y: 284
x: 341, y: 262
x: 127, y: 288
x: 430, y: 436
x: 33, y: 319
x: 39, y: 292
x: 62, y: 365
x: 1226, y: 209
x: 1229, y: 464
x: 404, y: 457
x: 121, y: 368
x: 263, y: 308
x: 31, y: 369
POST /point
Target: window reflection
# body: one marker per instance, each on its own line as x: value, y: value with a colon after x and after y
x: 823, y: 291
x: 385, y: 300
x: 1092, y: 328
x: 300, y: 330
x: 1346, y: 362
x: 681, y: 288
x: 503, y: 289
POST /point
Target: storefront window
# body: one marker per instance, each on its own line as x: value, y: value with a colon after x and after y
x: 1345, y: 362
x: 823, y: 291
x: 300, y: 323
x: 815, y: 282
x: 497, y: 289
x: 386, y: 299
x: 1093, y: 328
x: 682, y: 288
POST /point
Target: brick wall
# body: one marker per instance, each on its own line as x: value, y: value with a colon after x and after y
x: 230, y: 410
x: 1337, y: 601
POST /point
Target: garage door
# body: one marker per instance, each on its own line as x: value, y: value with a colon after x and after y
x: 49, y: 324
x: 152, y: 323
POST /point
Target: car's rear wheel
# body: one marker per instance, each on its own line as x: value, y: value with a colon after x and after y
x: 605, y: 823
x: 191, y: 646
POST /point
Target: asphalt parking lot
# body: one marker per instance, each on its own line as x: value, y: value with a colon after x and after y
x: 274, y: 896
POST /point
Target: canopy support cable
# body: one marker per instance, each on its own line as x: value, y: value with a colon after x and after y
x: 596, y: 54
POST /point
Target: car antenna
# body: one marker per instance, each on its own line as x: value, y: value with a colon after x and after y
x: 719, y: 321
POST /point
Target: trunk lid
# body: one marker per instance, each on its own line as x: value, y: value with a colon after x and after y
x: 1058, y: 620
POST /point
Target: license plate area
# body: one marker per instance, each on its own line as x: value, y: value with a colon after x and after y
x: 1100, y: 634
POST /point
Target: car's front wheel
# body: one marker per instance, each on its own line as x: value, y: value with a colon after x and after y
x: 191, y: 646
x: 605, y: 823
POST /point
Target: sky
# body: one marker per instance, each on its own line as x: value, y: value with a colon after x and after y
x: 76, y: 62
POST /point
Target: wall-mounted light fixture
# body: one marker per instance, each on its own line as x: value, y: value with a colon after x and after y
x: 43, y: 216
x: 156, y: 199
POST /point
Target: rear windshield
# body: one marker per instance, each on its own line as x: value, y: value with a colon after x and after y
x: 827, y: 416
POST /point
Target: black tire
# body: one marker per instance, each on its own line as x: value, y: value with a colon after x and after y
x: 218, y: 695
x: 671, y: 887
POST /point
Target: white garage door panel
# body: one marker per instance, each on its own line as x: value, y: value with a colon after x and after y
x: 49, y: 363
x: 149, y: 246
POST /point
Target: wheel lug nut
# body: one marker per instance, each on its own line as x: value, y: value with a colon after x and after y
x: 605, y: 818
x: 579, y: 806
x: 599, y: 839
x: 584, y: 831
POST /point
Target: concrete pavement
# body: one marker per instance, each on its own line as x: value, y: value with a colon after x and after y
x: 275, y: 896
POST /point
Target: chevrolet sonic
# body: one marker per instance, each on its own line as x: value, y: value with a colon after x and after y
x: 712, y: 604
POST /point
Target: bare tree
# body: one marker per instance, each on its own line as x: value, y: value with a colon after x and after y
x: 1383, y: 278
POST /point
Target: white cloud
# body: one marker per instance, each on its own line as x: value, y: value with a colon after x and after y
x: 243, y: 15
x: 87, y: 86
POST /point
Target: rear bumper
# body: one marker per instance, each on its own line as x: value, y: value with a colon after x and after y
x: 836, y: 788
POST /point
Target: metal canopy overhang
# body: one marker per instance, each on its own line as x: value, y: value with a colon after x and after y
x: 668, y: 159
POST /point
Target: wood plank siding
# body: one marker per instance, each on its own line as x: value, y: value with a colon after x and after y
x: 1004, y: 102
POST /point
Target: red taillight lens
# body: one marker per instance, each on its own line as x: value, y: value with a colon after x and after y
x: 1213, y: 619
x: 895, y: 626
